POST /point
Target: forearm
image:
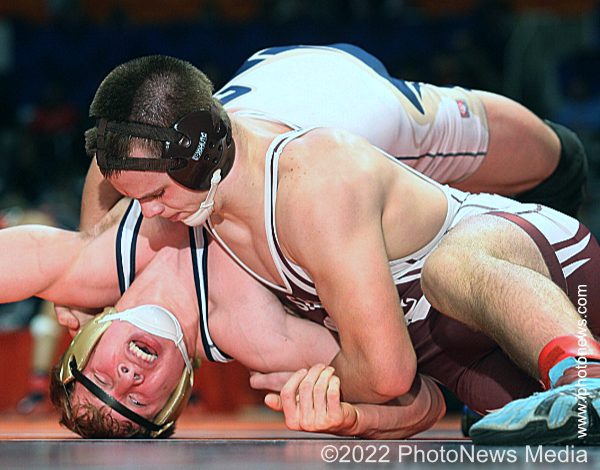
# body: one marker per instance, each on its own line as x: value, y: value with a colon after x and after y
x: 33, y: 258
x: 98, y: 197
x: 404, y: 416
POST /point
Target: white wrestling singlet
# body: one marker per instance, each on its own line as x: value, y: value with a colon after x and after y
x: 299, y: 292
x: 440, y: 131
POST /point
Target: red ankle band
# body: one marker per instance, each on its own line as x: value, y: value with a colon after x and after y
x: 566, y: 346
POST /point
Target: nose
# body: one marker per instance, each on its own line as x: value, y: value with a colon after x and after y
x: 129, y: 376
x: 151, y: 208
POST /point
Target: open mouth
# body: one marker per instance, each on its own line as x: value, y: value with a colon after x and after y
x: 143, y: 351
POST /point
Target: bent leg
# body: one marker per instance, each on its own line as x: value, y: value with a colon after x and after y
x: 568, y: 413
x: 564, y: 190
x: 489, y: 274
x: 523, y: 150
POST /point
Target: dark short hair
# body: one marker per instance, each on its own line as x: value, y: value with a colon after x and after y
x: 157, y: 90
x: 92, y: 422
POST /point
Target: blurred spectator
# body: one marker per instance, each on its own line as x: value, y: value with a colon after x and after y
x: 580, y: 103
x: 48, y: 150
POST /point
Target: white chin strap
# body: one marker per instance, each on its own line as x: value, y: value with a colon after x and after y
x: 207, y: 207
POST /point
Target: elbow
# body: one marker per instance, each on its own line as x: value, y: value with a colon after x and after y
x: 397, y: 383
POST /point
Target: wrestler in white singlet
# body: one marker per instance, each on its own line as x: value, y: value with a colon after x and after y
x: 442, y: 132
x: 298, y: 290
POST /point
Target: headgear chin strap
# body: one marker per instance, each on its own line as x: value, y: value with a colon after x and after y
x: 199, y: 144
x: 77, y: 356
x: 207, y: 207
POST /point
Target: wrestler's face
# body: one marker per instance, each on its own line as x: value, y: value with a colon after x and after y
x: 158, y: 194
x: 136, y: 368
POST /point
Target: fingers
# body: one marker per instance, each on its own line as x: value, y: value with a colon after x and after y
x: 333, y: 393
x: 288, y: 395
x: 324, y: 411
x: 312, y: 391
x: 273, y: 401
x: 319, y: 391
x: 273, y: 381
x: 66, y: 318
x: 310, y: 401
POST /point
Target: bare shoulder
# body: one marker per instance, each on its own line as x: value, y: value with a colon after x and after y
x: 335, y: 143
x: 328, y: 178
x: 327, y: 162
x: 110, y: 220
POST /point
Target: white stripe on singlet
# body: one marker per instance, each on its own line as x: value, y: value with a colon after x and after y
x: 199, y: 250
x: 288, y: 271
x: 126, y: 243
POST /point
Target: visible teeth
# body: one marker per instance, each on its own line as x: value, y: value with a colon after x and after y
x: 141, y: 354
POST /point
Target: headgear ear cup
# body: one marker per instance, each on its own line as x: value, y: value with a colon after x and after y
x: 199, y: 144
x: 208, y: 152
x: 83, y: 344
x: 176, y: 403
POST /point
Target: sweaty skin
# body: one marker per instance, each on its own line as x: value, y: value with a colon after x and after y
x: 245, y: 320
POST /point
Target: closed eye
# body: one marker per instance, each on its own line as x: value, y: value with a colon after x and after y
x: 136, y: 403
x: 152, y: 197
x: 102, y: 382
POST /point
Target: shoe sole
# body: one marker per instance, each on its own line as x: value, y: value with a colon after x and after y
x: 538, y: 433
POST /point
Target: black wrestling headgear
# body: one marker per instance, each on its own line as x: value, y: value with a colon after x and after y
x: 199, y: 144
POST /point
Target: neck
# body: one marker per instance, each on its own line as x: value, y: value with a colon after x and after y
x: 242, y: 192
x: 150, y: 288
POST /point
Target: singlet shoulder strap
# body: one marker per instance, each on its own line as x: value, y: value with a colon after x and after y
x: 199, y: 252
x: 255, y: 114
x: 127, y: 234
x: 289, y: 273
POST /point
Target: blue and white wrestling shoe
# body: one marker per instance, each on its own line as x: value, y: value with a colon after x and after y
x: 566, y: 415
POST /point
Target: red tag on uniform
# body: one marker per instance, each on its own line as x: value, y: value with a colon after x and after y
x: 463, y: 108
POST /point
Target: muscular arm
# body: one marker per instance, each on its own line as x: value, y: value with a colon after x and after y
x: 73, y: 268
x: 57, y: 265
x: 249, y: 323
x: 340, y: 241
x: 97, y: 199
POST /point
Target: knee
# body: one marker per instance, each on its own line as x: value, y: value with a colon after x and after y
x: 564, y: 189
x: 441, y: 275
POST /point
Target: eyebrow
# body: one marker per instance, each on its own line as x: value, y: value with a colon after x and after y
x: 150, y: 195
